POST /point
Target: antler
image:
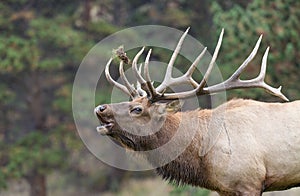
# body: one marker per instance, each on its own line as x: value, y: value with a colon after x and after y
x: 156, y: 94
x: 127, y: 88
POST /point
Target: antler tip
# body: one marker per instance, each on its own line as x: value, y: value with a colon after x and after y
x: 266, y: 54
x: 221, y: 35
x: 186, y: 31
x: 138, y: 55
x: 148, y: 56
x: 279, y: 88
x: 260, y: 37
x: 281, y: 95
x: 284, y: 98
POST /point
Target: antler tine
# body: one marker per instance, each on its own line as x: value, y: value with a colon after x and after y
x: 261, y: 78
x: 187, y: 77
x: 140, y: 79
x: 168, y: 76
x: 192, y: 68
x: 239, y: 71
x: 129, y: 87
x: 113, y: 82
x: 151, y: 89
x: 146, y: 67
x: 139, y: 85
x: 212, y: 62
x: 137, y: 74
x: 236, y: 75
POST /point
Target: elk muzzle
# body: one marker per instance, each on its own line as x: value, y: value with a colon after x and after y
x: 106, y: 123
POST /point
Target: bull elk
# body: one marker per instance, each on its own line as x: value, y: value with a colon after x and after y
x: 258, y: 146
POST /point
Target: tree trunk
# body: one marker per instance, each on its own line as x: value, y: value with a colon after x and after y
x: 87, y: 11
x: 37, y: 185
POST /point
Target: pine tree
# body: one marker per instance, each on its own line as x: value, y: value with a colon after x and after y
x: 40, y: 49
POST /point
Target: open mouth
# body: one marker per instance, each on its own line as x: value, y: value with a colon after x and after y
x: 105, y: 126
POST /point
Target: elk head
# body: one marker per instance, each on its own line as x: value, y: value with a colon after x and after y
x: 133, y: 123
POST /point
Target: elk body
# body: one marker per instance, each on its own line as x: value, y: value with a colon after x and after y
x: 258, y: 145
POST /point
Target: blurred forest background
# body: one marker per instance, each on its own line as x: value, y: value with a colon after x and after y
x: 42, y: 43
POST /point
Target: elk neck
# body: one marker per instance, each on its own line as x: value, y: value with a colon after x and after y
x: 184, y: 169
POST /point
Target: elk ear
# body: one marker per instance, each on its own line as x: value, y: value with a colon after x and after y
x: 173, y: 106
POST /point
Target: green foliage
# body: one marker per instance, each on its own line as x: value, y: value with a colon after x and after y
x: 63, y: 101
x: 33, y: 152
x: 101, y: 28
x: 37, y: 50
x: 53, y: 32
x: 56, y: 37
x: 188, y: 190
x: 6, y: 95
x: 2, y: 180
x: 17, y: 53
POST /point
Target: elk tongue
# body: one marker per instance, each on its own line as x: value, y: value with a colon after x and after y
x: 104, y: 129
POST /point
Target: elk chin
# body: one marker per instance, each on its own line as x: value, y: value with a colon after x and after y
x: 105, y: 129
x: 116, y: 133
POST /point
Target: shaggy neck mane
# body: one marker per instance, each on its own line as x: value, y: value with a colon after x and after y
x: 185, y: 169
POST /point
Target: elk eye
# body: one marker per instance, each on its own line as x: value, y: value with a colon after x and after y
x: 136, y: 110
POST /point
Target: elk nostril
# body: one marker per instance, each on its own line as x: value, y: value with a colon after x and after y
x: 102, y: 108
